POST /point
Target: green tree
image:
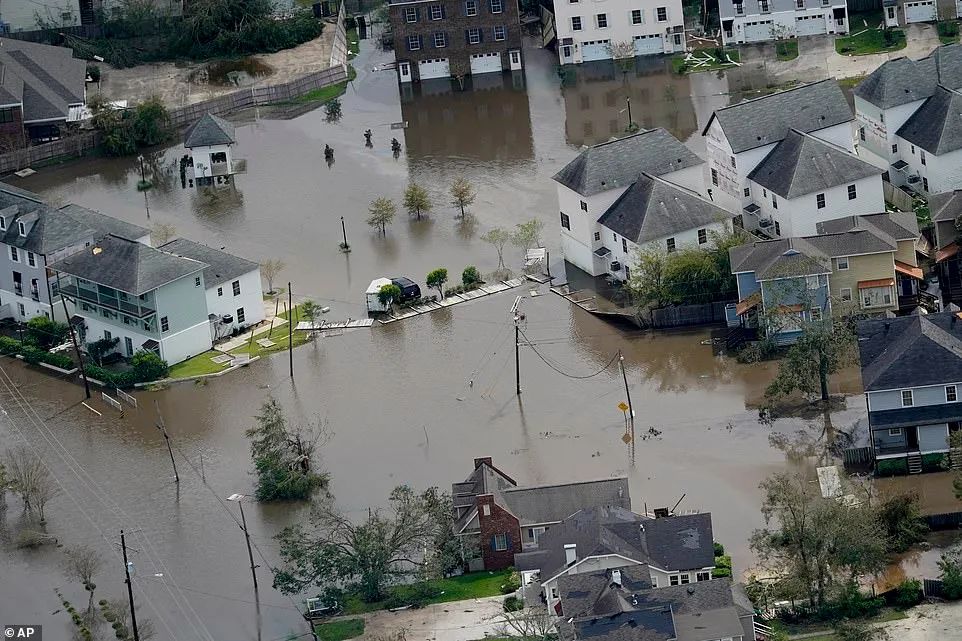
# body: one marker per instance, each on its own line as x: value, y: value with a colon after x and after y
x: 147, y: 366
x: 101, y: 348
x: 417, y: 200
x: 691, y: 276
x: 436, y: 279
x: 822, y: 348
x: 379, y: 549
x: 955, y: 450
x: 951, y: 566
x: 901, y: 516
x: 381, y: 214
x: 388, y: 294
x: 463, y: 193
x: 151, y: 122
x: 470, y: 276
x: 46, y: 333
x: 527, y: 234
x: 647, y: 281
x: 311, y: 312
x: 283, y: 457
x: 498, y: 238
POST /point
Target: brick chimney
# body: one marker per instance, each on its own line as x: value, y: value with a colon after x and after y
x: 484, y: 460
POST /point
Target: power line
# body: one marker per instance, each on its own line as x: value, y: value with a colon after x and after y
x: 562, y: 372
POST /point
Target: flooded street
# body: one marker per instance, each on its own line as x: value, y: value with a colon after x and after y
x: 412, y: 402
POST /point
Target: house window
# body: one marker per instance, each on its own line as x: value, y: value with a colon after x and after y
x: 895, y: 431
x: 861, y: 134
x: 841, y: 263
x: 497, y: 6
x: 685, y: 578
x: 14, y: 255
x: 597, y: 236
x: 107, y: 335
x: 486, y: 510
x: 411, y: 14
x: 500, y: 542
x: 624, y: 245
x: 800, y: 4
x: 474, y: 36
x: 584, y: 206
x: 702, y: 236
x: 921, y: 158
x: 128, y: 345
x: 654, y: 581
x: 673, y: 579
x: 437, y: 12
x: 471, y: 8
x: 907, y: 400
x: 895, y: 149
x: 6, y: 115
x: 774, y: 202
x: 240, y: 315
x: 764, y: 193
x: 703, y: 576
x: 820, y: 201
x: 951, y: 394
x: 576, y: 23
x: 811, y: 282
x: 747, y: 192
x: 662, y: 13
x: 846, y: 294
x: 602, y: 20
x: 3, y: 222
x: 815, y: 313
x: 196, y: 281
x: 220, y: 291
x: 414, y: 43
x: 31, y: 259
x: 778, y: 229
x: 499, y: 32
x: 763, y: 4
x: 739, y: 9
x: 554, y: 593
x: 913, y: 149
x: 714, y: 177
x: 440, y: 40
x: 565, y: 221
x: 636, y: 16
x: 236, y: 286
x: 852, y: 194
x: 21, y: 228
x: 164, y: 324
x: 21, y: 309
x: 732, y: 161
x: 925, y: 184
x: 670, y: 245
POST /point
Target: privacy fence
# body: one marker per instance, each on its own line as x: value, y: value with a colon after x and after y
x: 687, y: 315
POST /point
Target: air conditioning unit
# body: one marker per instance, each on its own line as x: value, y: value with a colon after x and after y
x: 914, y: 179
x: 765, y: 222
x: 615, y: 266
x: 226, y: 319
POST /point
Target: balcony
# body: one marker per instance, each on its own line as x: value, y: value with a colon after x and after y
x: 138, y: 309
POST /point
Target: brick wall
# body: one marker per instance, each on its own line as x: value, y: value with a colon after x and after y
x: 454, y: 23
x: 498, y: 521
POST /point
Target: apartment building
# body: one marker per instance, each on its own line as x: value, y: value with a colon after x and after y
x: 590, y: 30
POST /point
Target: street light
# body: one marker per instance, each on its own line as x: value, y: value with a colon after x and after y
x: 239, y: 499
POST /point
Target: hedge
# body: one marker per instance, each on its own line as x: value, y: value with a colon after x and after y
x: 932, y: 462
x: 891, y: 466
x: 145, y: 370
x: 33, y: 355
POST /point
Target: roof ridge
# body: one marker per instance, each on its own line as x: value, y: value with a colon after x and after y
x: 777, y: 93
x: 541, y: 487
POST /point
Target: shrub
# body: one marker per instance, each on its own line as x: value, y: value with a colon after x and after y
x: 147, y: 366
x: 852, y: 604
x: 951, y: 567
x: 720, y: 572
x: 891, y: 467
x: 719, y: 549
x: 948, y: 29
x: 908, y: 593
x: 470, y: 276
x: 94, y: 72
x: 513, y: 604
x: 723, y: 561
x: 46, y: 333
x: 511, y: 584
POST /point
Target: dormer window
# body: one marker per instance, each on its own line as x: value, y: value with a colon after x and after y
x: 21, y: 228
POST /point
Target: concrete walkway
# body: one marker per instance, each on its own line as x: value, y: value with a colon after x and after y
x: 455, y: 621
x: 263, y: 328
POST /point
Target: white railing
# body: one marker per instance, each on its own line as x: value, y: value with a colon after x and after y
x: 113, y: 402
x: 127, y: 398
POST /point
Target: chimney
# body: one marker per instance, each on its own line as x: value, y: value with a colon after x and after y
x: 484, y: 460
x: 616, y: 577
x: 571, y: 553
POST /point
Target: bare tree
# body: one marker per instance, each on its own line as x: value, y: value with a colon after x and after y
x: 82, y: 564
x: 498, y: 238
x: 121, y: 610
x: 162, y: 233
x: 271, y: 269
x: 530, y: 624
x: 30, y: 479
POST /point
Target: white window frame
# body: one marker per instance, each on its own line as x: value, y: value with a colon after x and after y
x: 699, y: 575
x: 658, y: 11
x: 410, y: 15
x: 241, y: 316
x: 22, y: 229
x: 474, y: 36
x: 444, y: 40
x: 236, y: 288
x: 31, y: 259
x: 811, y: 282
x: 910, y: 398
x: 841, y: 263
x: 820, y: 201
x: 486, y: 510
x: 504, y: 33
x: 577, y: 24
x: 414, y: 43
x: 670, y: 245
x: 440, y: 12
x: 852, y: 192
x: 955, y: 394
x: 702, y: 236
x: 501, y: 542
x: 599, y: 18
x: 845, y: 294
x: 164, y: 321
x: 14, y: 255
x: 471, y: 8
x: 3, y: 222
x: 895, y: 431
x: 641, y: 16
x: 500, y: 4
x: 674, y: 579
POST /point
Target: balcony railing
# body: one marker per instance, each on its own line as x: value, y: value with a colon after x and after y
x: 893, y: 448
x: 111, y: 302
x: 35, y: 294
x: 18, y: 289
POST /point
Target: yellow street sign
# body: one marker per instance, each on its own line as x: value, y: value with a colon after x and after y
x: 622, y: 407
x: 626, y: 438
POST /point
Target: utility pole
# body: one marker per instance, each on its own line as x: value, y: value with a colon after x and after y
x: 628, y: 101
x: 344, y: 233
x: 130, y: 589
x: 163, y: 429
x: 631, y: 411
x: 239, y: 499
x: 73, y: 339
x: 516, y: 313
x: 290, y: 328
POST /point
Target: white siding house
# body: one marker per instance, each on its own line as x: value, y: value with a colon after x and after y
x: 745, y: 21
x: 210, y: 140
x: 930, y: 144
x: 589, y: 30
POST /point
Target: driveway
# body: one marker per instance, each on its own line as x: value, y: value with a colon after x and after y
x: 929, y: 622
x: 455, y: 621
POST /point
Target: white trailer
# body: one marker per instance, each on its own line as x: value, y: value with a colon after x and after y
x: 374, y: 304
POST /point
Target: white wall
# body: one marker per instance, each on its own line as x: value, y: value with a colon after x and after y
x: 201, y: 156
x: 686, y: 238
x: 879, y: 127
x: 620, y: 27
x: 578, y: 243
x: 181, y: 345
x: 782, y: 24
x: 251, y: 299
x: 943, y: 173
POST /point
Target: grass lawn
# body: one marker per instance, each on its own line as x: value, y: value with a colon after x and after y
x: 457, y: 588
x: 869, y: 41
x: 679, y: 65
x: 786, y: 49
x: 200, y: 364
x: 340, y: 630
x: 330, y: 92
x: 353, y: 44
x: 948, y: 32
x: 278, y: 334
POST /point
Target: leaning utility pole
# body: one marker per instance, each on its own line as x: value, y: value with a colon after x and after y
x: 290, y: 328
x: 73, y: 339
x: 163, y: 429
x: 130, y: 589
x: 631, y: 411
x: 516, y: 314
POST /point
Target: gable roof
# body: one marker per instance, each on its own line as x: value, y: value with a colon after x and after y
x: 782, y: 258
x: 680, y: 542
x: 899, y: 225
x: 221, y: 266
x: 618, y: 163
x: 768, y: 119
x: 209, y: 131
x: 802, y: 164
x: 910, y: 351
x: 947, y: 206
x: 902, y: 80
x: 50, y: 78
x: 105, y: 224
x: 127, y: 265
x: 936, y: 126
x: 653, y: 208
x: 553, y: 503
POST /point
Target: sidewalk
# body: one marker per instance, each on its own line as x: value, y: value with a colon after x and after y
x: 263, y: 328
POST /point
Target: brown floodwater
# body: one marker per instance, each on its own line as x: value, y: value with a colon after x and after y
x: 412, y: 402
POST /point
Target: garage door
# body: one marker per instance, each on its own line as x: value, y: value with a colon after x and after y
x: 436, y: 68
x: 595, y: 50
x: 919, y: 11
x: 485, y: 63
x: 810, y: 25
x: 756, y: 31
x: 647, y: 45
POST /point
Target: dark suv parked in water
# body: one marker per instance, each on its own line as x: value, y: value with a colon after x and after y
x: 409, y: 289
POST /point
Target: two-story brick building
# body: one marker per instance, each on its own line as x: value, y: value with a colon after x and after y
x: 455, y: 38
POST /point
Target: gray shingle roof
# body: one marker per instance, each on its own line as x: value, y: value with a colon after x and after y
x: 553, y: 503
x: 11, y: 87
x: 618, y: 163
x: 766, y: 120
x: 783, y: 258
x: 802, y: 164
x: 903, y: 80
x: 52, y: 79
x: 899, y: 225
x: 208, y: 131
x: 583, y: 593
x: 653, y: 208
x: 680, y: 542
x: 910, y: 351
x: 918, y: 415
x: 105, y: 224
x: 127, y: 265
x: 946, y: 206
x: 936, y: 126
x: 221, y: 266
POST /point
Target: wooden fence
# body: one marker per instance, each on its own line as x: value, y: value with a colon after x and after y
x: 897, y: 197
x: 686, y: 315
x: 65, y: 148
x: 933, y: 588
x: 945, y: 521
x: 339, y: 46
x: 857, y: 458
x: 56, y: 36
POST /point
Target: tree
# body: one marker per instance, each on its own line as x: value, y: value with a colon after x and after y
x: 436, y: 279
x: 463, y: 193
x: 101, y: 348
x: 470, y: 276
x: 528, y: 624
x: 29, y: 478
x: 528, y: 234
x: 162, y: 233
x: 382, y: 212
x: 271, y: 269
x: 384, y: 546
x: 147, y: 366
x: 498, y: 238
x: 311, y: 311
x: 815, y: 543
x: 951, y: 566
x: 151, y: 124
x: 849, y: 630
x: 647, y: 280
x: 283, y: 458
x: 83, y: 564
x: 901, y: 516
x: 821, y: 350
x: 46, y: 333
x: 447, y: 553
x: 955, y: 450
x: 332, y: 110
x: 388, y: 294
x: 4, y: 483
x: 417, y: 200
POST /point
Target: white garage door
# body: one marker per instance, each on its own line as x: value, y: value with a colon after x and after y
x: 436, y: 68
x: 810, y: 25
x: 485, y: 63
x: 647, y: 45
x: 758, y: 30
x: 920, y: 11
x: 595, y: 50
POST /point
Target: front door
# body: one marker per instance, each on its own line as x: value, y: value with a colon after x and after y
x: 912, y: 438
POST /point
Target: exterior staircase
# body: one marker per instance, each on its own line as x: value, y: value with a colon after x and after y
x: 955, y: 458
x: 915, y: 463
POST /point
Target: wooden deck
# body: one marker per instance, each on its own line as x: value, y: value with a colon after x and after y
x: 306, y: 326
